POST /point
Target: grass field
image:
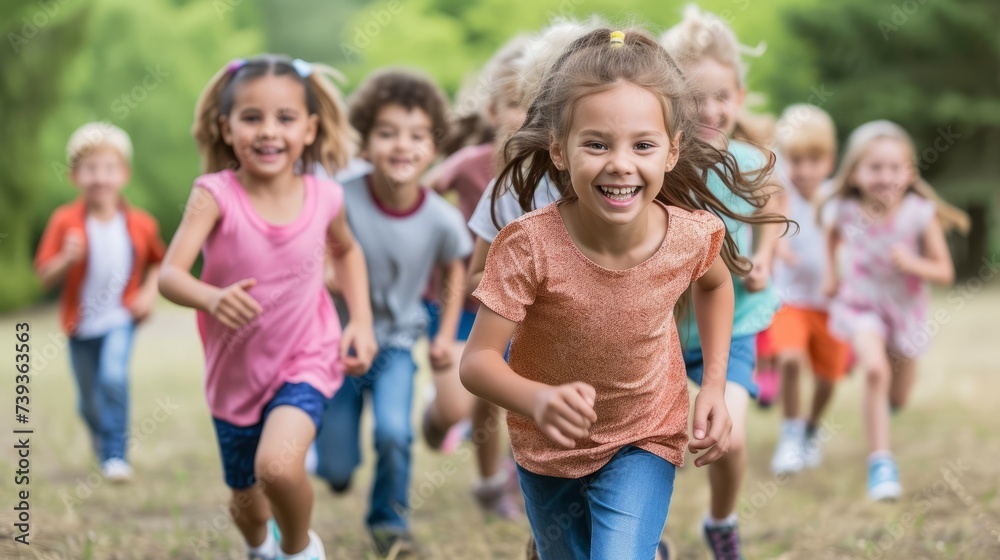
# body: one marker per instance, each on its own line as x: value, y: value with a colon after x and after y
x: 947, y: 441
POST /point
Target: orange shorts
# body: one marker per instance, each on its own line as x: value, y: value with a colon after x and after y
x: 805, y: 330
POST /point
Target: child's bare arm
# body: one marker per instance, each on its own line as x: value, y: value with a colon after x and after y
x: 564, y: 413
x: 452, y: 296
x: 769, y: 236
x: 713, y: 302
x: 477, y: 264
x: 935, y: 264
x: 831, y: 282
x: 351, y: 274
x: 231, y: 305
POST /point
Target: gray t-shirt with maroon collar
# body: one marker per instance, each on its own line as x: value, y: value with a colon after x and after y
x: 401, y: 251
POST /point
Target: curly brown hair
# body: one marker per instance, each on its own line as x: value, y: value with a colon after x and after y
x: 398, y: 87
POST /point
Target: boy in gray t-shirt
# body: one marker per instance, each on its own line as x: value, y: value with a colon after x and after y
x: 405, y: 232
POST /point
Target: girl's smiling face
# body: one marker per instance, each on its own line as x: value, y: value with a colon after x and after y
x: 617, y: 150
x: 269, y: 125
x: 721, y: 102
x: 884, y: 172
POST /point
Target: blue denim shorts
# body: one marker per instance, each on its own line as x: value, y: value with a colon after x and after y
x: 464, y: 322
x: 238, y: 444
x: 742, y: 360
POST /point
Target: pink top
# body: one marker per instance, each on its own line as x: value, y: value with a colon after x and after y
x: 296, y: 338
x: 613, y: 329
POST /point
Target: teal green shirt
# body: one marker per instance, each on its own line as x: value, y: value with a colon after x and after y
x: 754, y: 311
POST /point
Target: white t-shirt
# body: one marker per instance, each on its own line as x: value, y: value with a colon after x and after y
x: 508, y: 208
x: 109, y: 264
x: 799, y: 282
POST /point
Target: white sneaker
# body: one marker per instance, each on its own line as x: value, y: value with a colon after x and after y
x: 812, y: 451
x: 314, y: 551
x: 270, y: 549
x: 788, y: 455
x: 116, y: 470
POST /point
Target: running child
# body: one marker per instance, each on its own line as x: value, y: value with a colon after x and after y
x: 274, y: 348
x: 709, y: 53
x: 890, y: 228
x: 105, y: 253
x: 807, y: 144
x: 406, y: 231
x: 584, y: 291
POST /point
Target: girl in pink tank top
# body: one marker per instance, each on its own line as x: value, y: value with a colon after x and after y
x: 274, y: 349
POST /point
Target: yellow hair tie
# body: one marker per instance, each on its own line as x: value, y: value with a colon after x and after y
x: 617, y: 38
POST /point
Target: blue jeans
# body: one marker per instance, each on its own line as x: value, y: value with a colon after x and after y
x: 100, y: 366
x: 390, y: 383
x: 617, y: 512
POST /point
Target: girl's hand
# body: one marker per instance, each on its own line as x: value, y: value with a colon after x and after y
x: 142, y: 305
x: 903, y: 259
x: 759, y: 275
x: 565, y: 413
x: 362, y: 340
x: 441, y: 353
x: 712, y: 427
x: 72, y: 247
x: 783, y: 251
x: 233, y: 306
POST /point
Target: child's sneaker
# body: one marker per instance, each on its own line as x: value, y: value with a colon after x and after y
x: 812, y: 449
x: 883, y: 479
x: 116, y: 470
x: 395, y: 543
x: 723, y: 539
x: 313, y: 551
x: 788, y: 456
x: 496, y: 500
x: 768, y: 383
x: 270, y: 549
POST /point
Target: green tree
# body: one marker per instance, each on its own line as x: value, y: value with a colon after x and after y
x: 934, y: 68
x: 137, y: 65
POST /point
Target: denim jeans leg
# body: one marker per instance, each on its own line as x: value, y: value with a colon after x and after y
x: 392, y: 399
x: 338, y: 444
x: 85, y: 356
x: 628, y: 518
x: 113, y: 391
x: 559, y: 515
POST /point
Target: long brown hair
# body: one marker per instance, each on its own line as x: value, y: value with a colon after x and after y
x: 335, y: 139
x: 592, y: 63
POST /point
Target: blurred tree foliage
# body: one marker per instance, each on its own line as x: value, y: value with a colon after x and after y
x: 933, y: 67
x: 137, y: 65
x: 141, y: 66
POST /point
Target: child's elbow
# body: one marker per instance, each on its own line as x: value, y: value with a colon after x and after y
x: 163, y: 276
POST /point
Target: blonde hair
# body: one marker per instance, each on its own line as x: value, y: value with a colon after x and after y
x: 498, y: 80
x: 702, y: 34
x: 592, y: 63
x: 94, y: 135
x: 335, y: 139
x: 951, y: 217
x: 805, y: 128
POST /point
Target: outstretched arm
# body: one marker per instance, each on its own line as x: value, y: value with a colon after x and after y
x: 713, y: 302
x: 351, y: 274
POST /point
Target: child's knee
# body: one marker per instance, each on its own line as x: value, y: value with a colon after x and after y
x: 392, y: 438
x: 248, y: 506
x: 877, y: 375
x: 278, y: 469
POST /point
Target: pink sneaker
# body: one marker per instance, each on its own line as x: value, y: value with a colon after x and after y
x: 768, y: 383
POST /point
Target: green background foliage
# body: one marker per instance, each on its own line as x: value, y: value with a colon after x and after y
x: 931, y: 66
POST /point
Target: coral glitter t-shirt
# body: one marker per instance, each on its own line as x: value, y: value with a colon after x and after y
x: 613, y: 329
